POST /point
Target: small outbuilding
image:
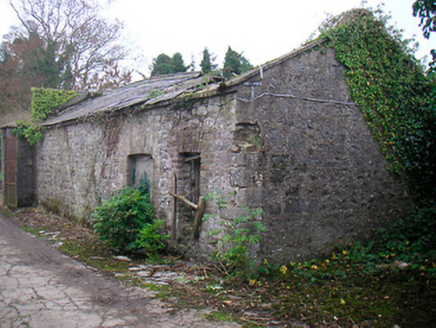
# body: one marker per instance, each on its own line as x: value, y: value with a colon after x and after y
x: 286, y: 137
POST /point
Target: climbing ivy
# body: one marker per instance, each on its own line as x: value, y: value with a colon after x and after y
x: 29, y: 131
x: 45, y: 102
x: 391, y: 89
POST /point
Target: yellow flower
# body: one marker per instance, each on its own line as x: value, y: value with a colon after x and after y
x: 314, y: 267
x: 283, y: 269
x: 344, y: 252
x: 342, y: 301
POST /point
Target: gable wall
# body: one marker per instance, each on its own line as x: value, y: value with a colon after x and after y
x: 324, y: 180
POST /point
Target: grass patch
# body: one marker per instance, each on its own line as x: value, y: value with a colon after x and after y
x: 33, y: 230
x: 95, y: 255
x: 218, y: 316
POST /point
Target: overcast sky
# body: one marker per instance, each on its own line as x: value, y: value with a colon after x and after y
x: 262, y: 30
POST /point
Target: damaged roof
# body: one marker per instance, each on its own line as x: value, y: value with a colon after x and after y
x: 148, y: 91
x: 162, y: 88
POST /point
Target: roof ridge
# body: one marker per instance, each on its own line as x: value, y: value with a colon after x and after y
x: 242, y: 78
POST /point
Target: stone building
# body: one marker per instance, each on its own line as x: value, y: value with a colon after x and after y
x: 285, y: 137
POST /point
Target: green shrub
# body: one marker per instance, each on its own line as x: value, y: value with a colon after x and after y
x: 150, y: 237
x: 119, y: 219
x: 415, y: 234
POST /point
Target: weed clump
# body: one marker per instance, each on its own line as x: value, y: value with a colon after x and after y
x: 235, y: 239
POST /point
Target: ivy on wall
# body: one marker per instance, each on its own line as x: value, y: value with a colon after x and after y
x: 394, y: 94
x: 29, y: 131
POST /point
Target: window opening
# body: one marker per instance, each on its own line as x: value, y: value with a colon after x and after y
x: 140, y: 171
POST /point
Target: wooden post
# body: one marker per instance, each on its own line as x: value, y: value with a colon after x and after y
x: 198, y: 217
x: 174, y: 223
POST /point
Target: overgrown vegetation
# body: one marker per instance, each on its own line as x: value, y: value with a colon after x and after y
x: 126, y: 222
x: 426, y: 11
x: 235, y: 239
x: 395, y: 95
x: 29, y: 131
x: 46, y: 101
x: 384, y: 282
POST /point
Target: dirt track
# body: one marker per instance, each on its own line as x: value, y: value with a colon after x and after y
x: 40, y: 287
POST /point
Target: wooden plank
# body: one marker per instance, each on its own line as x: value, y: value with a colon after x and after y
x: 184, y: 199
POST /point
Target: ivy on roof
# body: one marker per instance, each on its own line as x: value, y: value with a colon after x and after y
x: 45, y: 102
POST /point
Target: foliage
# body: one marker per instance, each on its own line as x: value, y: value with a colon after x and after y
x: 237, y: 237
x: 21, y: 66
x: 381, y: 283
x: 29, y: 131
x: 391, y: 89
x: 411, y: 238
x: 75, y: 41
x: 164, y: 64
x: 45, y: 102
x: 426, y: 10
x: 179, y: 65
x: 235, y: 64
x: 120, y: 219
x: 207, y: 65
x: 150, y: 237
x: 409, y: 242
x: 161, y: 65
x: 155, y: 93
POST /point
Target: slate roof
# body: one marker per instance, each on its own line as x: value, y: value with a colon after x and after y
x: 140, y: 92
x: 169, y: 86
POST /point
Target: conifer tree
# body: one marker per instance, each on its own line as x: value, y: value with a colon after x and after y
x: 207, y: 65
x: 178, y: 64
x: 235, y: 64
x: 164, y: 64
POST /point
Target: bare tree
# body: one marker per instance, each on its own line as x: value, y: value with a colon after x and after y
x: 80, y: 41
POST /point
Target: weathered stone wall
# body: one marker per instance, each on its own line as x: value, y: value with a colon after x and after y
x: 324, y: 180
x: 81, y: 164
x: 310, y: 164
